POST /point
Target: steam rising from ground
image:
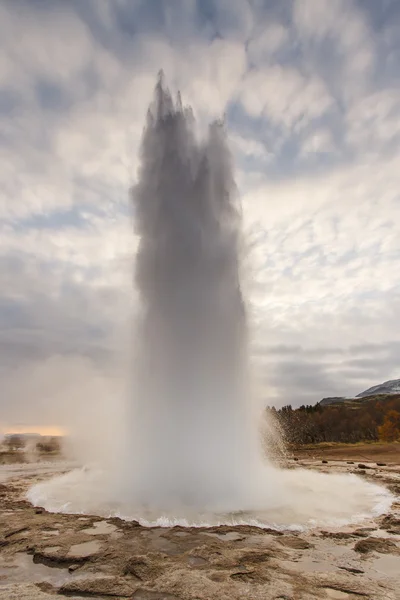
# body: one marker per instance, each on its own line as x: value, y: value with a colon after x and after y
x: 191, y: 452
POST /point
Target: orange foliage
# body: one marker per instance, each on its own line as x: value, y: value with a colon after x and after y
x: 357, y: 420
x: 390, y: 429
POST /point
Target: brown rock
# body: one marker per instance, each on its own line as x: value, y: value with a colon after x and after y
x: 336, y: 535
x: 352, y: 570
x: 295, y: 542
x: 149, y: 595
x: 121, y: 524
x: 142, y: 568
x: 13, y: 532
x: 73, y: 568
x: 254, y: 557
x: 46, y: 587
x: 390, y: 521
x: 54, y: 556
x: 383, y: 546
x: 116, y: 587
x: 363, y: 532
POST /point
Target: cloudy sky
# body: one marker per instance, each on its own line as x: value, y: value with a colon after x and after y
x: 311, y: 94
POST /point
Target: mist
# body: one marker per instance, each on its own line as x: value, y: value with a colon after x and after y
x: 75, y: 394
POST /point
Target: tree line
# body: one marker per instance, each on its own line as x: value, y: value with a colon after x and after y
x: 15, y: 443
x: 368, y: 419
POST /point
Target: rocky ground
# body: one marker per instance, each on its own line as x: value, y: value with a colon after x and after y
x: 44, y: 555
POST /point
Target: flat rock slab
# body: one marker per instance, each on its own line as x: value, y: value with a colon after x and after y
x: 84, y: 550
x: 107, y: 586
x: 52, y: 550
x: 333, y: 594
x: 55, y: 556
x: 27, y: 592
x: 147, y: 595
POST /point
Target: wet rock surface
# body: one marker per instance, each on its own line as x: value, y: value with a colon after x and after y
x: 384, y: 546
x: 44, y: 556
x: 295, y: 542
x: 108, y: 586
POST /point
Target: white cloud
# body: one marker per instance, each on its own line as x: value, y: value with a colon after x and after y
x: 320, y: 141
x: 270, y: 38
x: 342, y: 25
x: 373, y: 121
x: 52, y: 44
x: 326, y: 271
x: 285, y: 96
x: 234, y: 19
x: 248, y: 147
x: 326, y: 238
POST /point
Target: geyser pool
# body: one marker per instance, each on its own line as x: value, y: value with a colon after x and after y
x: 191, y: 452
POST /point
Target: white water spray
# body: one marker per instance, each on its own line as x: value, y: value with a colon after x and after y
x: 192, y: 453
x: 191, y: 423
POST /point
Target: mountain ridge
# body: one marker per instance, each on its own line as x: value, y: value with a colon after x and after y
x: 386, y: 388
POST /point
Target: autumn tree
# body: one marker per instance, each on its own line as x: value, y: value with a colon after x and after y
x: 390, y: 430
x: 366, y: 419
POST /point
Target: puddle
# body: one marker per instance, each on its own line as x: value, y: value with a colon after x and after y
x: 24, y: 570
x: 179, y: 545
x: 386, y: 566
x: 85, y: 549
x: 100, y: 528
x: 309, y: 565
x: 327, y: 558
x: 161, y: 544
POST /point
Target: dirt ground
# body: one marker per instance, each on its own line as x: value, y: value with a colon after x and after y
x: 45, y: 555
x: 381, y: 452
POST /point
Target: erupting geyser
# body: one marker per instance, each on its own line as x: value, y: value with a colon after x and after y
x: 191, y: 452
x: 190, y: 416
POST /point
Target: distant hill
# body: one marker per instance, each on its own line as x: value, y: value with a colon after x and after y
x: 333, y: 400
x: 389, y: 387
x: 24, y: 436
x: 383, y: 389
